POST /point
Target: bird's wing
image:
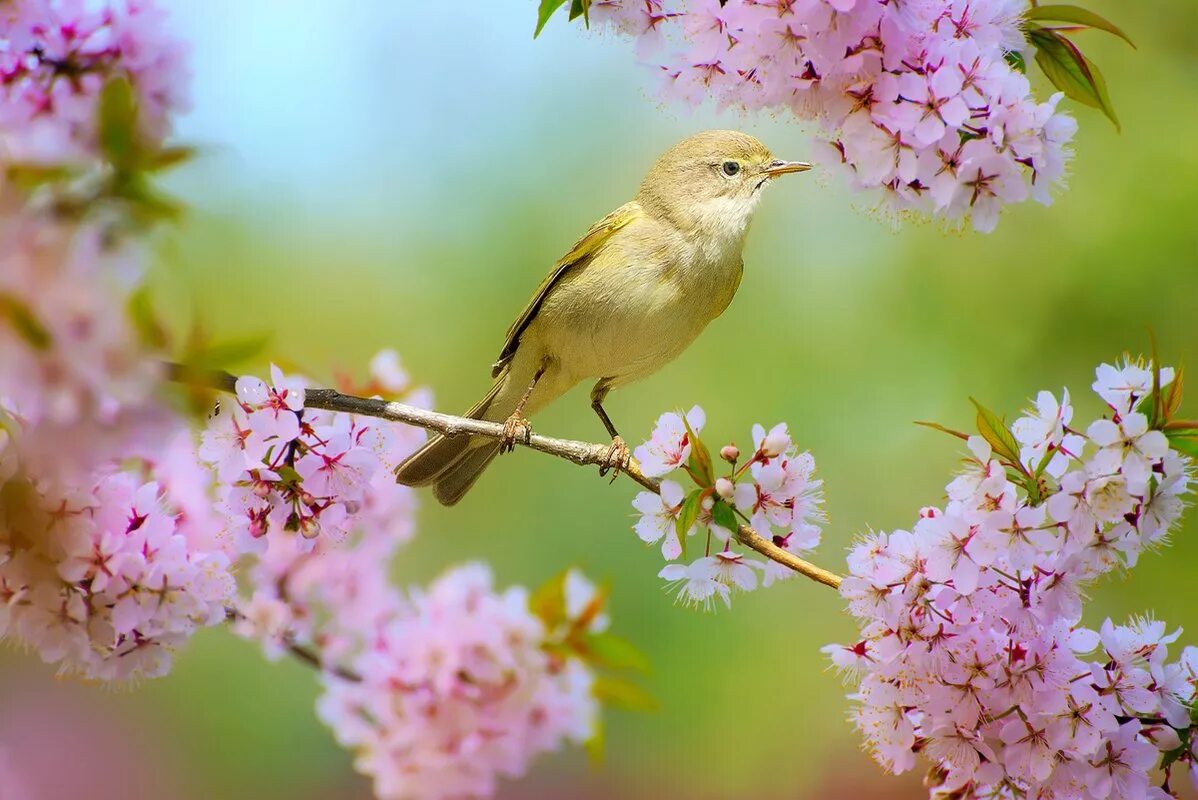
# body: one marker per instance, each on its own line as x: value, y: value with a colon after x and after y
x: 579, y: 255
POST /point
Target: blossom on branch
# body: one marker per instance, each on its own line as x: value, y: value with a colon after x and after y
x: 923, y: 101
x: 775, y: 491
x: 972, y: 652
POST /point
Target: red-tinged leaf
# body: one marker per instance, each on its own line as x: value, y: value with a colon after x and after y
x: 1071, y: 72
x: 936, y: 426
x: 1158, y: 403
x: 615, y: 652
x: 549, y: 601
x: 1173, y: 398
x: 1180, y: 425
x: 623, y: 694
x: 1076, y: 16
x: 593, y: 609
x: 995, y: 431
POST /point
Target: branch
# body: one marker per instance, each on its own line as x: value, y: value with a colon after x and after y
x: 303, y: 654
x: 581, y: 453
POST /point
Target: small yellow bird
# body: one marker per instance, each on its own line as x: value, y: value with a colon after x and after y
x: 630, y: 296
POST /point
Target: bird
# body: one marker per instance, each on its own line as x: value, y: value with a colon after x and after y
x: 627, y: 298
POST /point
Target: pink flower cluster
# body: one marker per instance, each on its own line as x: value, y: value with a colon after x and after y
x: 333, y: 591
x: 774, y: 490
x: 917, y: 99
x: 292, y: 473
x: 56, y: 57
x: 71, y: 355
x: 461, y: 687
x: 106, y: 579
x: 972, y: 652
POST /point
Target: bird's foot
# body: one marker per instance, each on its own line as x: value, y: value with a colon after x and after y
x: 617, y: 459
x: 515, y: 428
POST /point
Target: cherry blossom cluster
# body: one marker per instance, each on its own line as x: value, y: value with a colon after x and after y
x: 438, y: 692
x: 331, y: 591
x: 774, y: 490
x: 972, y: 650
x: 55, y: 59
x: 465, y: 684
x: 291, y: 473
x: 924, y: 99
x: 105, y: 578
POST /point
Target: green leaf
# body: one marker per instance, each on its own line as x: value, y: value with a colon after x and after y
x: 581, y: 8
x: 687, y: 516
x: 1076, y: 16
x: 723, y: 515
x: 168, y: 157
x: 623, y: 694
x: 1072, y: 72
x: 118, y: 123
x: 615, y: 652
x: 596, y: 746
x: 549, y: 601
x: 1015, y: 59
x: 141, y: 313
x: 26, y: 325
x: 544, y: 13
x: 700, y: 458
x: 936, y: 426
x: 995, y: 431
x: 289, y: 475
x: 1187, y: 444
x: 233, y: 351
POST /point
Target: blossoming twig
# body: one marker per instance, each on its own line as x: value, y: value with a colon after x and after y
x: 304, y: 654
x: 581, y: 453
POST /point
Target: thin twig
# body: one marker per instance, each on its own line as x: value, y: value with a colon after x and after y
x: 581, y: 453
x: 302, y: 653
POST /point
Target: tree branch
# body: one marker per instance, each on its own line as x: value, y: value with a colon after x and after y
x: 302, y: 653
x: 581, y: 453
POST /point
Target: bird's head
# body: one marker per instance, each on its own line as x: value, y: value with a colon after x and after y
x: 708, y: 184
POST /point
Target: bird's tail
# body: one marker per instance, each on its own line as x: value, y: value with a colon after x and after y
x: 451, y: 464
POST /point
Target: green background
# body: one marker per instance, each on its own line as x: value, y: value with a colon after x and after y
x: 404, y: 174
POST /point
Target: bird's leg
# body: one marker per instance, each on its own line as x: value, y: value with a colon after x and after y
x: 517, y: 425
x: 618, y: 455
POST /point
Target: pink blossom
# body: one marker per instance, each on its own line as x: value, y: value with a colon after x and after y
x: 669, y: 447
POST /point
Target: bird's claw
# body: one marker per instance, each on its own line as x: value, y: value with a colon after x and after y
x: 515, y: 428
x: 617, y: 459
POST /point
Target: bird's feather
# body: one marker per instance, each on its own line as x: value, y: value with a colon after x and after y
x: 578, y: 256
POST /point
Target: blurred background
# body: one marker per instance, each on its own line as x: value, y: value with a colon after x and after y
x: 379, y: 174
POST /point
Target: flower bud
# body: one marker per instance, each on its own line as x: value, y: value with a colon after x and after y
x: 261, y: 489
x: 725, y: 488
x: 775, y: 444
x: 730, y: 453
x: 706, y: 503
x: 257, y: 528
x: 309, y: 528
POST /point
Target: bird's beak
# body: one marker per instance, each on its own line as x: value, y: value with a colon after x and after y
x: 777, y: 168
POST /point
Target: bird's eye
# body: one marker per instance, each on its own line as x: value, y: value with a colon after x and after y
x: 731, y: 168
